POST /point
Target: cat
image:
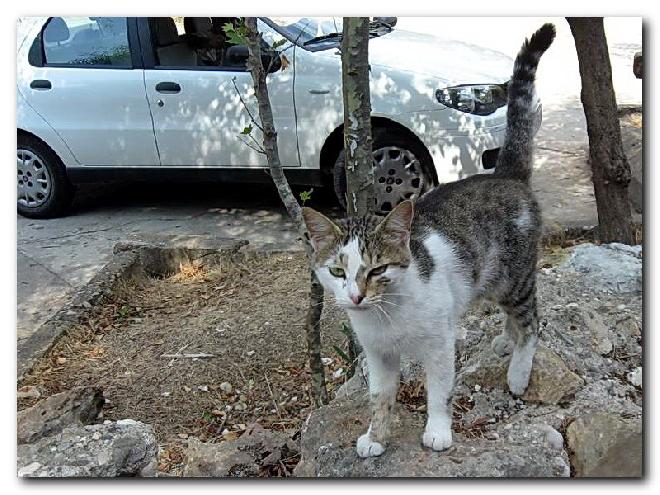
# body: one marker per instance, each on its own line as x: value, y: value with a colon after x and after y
x: 405, y: 280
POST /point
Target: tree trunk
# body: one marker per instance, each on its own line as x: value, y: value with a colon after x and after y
x: 312, y: 324
x: 609, y: 165
x: 313, y: 334
x: 360, y: 199
x: 358, y: 152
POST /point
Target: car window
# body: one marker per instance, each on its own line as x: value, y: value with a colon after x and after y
x: 82, y: 41
x: 196, y: 43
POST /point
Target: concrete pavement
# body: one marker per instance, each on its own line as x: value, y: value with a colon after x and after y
x: 56, y: 256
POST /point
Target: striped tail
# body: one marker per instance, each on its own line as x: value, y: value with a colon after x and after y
x: 515, y: 157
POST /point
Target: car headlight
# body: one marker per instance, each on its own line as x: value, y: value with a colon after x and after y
x: 477, y: 99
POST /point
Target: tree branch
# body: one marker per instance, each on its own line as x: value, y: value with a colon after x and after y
x: 312, y: 326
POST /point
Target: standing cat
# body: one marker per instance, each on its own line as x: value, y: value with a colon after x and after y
x: 406, y: 280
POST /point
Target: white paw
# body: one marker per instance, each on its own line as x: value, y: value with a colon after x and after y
x: 366, y: 447
x: 518, y: 378
x: 502, y: 345
x: 437, y: 439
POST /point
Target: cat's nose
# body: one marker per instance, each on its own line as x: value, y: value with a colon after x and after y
x: 357, y: 299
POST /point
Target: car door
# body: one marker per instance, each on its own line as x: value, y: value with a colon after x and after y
x: 201, y: 109
x: 85, y: 80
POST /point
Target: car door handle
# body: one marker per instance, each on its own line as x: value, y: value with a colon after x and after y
x: 168, y: 88
x: 41, y: 84
x: 319, y: 91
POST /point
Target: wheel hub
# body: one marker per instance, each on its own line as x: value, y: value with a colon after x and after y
x: 398, y: 176
x: 34, y: 181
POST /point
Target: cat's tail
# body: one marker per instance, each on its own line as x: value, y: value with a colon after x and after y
x: 515, y: 157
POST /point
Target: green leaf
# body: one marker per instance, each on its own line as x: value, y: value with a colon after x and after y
x: 235, y: 36
x: 341, y: 354
x: 247, y: 130
x: 346, y: 330
x: 279, y: 43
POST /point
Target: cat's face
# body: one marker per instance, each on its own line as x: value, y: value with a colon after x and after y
x: 360, y: 260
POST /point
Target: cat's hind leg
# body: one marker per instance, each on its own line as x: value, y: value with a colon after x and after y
x: 526, y: 339
x: 384, y: 373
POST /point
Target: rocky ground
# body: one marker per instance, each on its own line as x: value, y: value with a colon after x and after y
x: 583, y: 405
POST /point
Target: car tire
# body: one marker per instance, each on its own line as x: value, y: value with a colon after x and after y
x: 44, y: 190
x: 388, y: 141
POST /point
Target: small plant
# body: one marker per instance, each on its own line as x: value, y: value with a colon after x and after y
x: 236, y: 35
x: 279, y: 43
x: 306, y: 196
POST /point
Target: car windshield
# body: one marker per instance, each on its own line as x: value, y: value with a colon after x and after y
x: 306, y: 31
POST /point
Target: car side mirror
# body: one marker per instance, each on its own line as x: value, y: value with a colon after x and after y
x: 237, y: 56
x: 390, y: 21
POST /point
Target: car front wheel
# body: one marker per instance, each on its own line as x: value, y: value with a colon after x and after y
x: 402, y: 170
x: 44, y: 190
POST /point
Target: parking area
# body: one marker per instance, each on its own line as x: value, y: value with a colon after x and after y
x: 56, y: 256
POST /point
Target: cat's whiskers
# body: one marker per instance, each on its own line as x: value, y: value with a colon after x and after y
x: 380, y: 300
x: 386, y: 314
x: 395, y: 294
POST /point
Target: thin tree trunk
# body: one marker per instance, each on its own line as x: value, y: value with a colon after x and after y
x: 609, y: 165
x: 360, y: 199
x: 312, y: 325
x: 358, y: 152
x: 313, y: 333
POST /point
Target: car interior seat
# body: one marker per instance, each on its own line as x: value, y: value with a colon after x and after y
x: 170, y: 48
x: 207, y: 42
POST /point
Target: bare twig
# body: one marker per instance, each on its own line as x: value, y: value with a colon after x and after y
x: 272, y: 397
x: 241, y: 139
x: 270, y: 145
x: 188, y: 356
x: 247, y: 109
x: 179, y: 352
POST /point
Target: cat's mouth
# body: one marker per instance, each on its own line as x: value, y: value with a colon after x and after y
x: 354, y: 307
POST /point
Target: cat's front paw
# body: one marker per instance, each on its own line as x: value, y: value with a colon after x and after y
x: 438, y: 439
x: 367, y: 447
x: 519, y: 372
x: 518, y: 380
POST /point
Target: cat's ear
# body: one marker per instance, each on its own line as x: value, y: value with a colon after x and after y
x: 397, y: 224
x: 322, y: 231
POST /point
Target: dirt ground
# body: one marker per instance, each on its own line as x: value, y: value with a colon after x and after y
x: 247, y: 313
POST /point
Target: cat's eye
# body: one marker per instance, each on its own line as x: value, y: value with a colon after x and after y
x: 378, y: 271
x: 337, y: 272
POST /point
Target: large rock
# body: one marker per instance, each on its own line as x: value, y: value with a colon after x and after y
x: 257, y: 448
x: 614, y: 268
x: 605, y: 445
x: 122, y: 448
x: 78, y: 406
x: 600, y: 338
x: 328, y: 449
x: 550, y: 383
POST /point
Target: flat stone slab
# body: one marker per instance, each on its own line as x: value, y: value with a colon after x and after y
x: 122, y: 448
